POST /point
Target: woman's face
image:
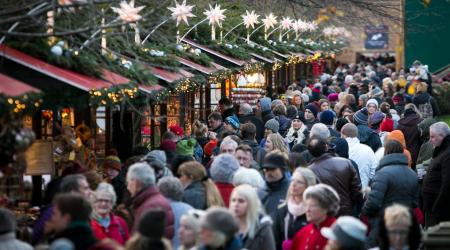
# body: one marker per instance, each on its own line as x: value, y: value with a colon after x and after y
x: 238, y: 205
x: 309, y: 115
x: 398, y: 235
x: 268, y: 146
x: 185, y: 180
x: 371, y: 108
x: 324, y: 106
x: 297, y: 124
x: 314, y: 212
x: 297, y: 100
x: 103, y: 204
x: 298, y: 185
x: 186, y: 234
x: 347, y: 112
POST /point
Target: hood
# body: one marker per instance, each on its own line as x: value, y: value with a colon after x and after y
x: 265, y: 104
x: 410, y: 119
x: 393, y: 159
x: 421, y: 98
x: 364, y: 132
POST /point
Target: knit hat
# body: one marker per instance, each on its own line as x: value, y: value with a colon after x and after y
x: 333, y: 97
x: 275, y: 161
x: 361, y: 117
x: 305, y: 98
x: 233, y: 121
x: 156, y: 159
x: 7, y: 221
x: 376, y: 118
x: 177, y: 130
x: 376, y: 92
x: 315, y: 96
x: 273, y: 125
x: 168, y: 145
x: 387, y: 125
x: 300, y: 116
x: 372, y: 101
x: 152, y: 224
x: 291, y: 111
x: 223, y: 168
x: 340, y: 123
x: 348, y: 231
x: 186, y: 147
x: 112, y: 161
x: 397, y: 135
x: 398, y: 99
x: 340, y: 147
x: 265, y: 104
x: 221, y: 220
x: 208, y: 149
x: 327, y: 117
x: 313, y: 108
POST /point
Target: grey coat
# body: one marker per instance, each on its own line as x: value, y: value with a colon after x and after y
x: 263, y: 238
x: 195, y: 195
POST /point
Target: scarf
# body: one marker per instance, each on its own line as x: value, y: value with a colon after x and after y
x: 296, y: 136
x: 295, y: 209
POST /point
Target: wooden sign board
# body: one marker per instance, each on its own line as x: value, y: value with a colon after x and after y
x: 39, y: 158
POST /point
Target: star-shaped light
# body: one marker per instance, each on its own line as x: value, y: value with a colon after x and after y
x: 215, y: 15
x: 270, y: 21
x: 286, y: 23
x: 181, y: 12
x: 296, y: 25
x: 250, y: 19
x: 127, y: 12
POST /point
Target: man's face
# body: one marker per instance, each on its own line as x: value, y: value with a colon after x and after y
x: 244, y: 158
x: 132, y: 186
x: 213, y: 124
x: 59, y: 221
x: 436, y: 138
x: 309, y: 115
x: 227, y: 149
x: 84, y: 189
x: 228, y: 127
x: 273, y: 174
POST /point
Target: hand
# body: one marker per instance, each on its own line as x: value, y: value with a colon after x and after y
x: 212, y: 135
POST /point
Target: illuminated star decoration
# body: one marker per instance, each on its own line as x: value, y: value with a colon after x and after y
x: 270, y: 21
x: 127, y: 12
x: 181, y: 12
x: 286, y: 23
x: 250, y: 19
x: 215, y: 15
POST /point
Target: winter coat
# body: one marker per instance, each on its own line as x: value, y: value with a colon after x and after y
x: 254, y: 145
x: 80, y: 234
x: 273, y: 195
x: 334, y: 133
x: 8, y: 241
x: 266, y: 115
x: 436, y: 184
x: 408, y: 125
x: 225, y: 190
x: 285, y: 123
x: 310, y: 123
x: 339, y: 173
x: 369, y: 137
x: 294, y: 137
x: 233, y: 244
x: 257, y: 122
x: 364, y: 158
x: 394, y: 182
x: 227, y: 112
x: 263, y: 238
x: 149, y: 198
x: 117, y: 230
x: 310, y: 237
x: 219, y: 130
x: 283, y: 219
x: 195, y: 195
x: 422, y: 98
x: 120, y: 186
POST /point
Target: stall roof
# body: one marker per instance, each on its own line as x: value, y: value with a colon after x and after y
x: 271, y: 50
x: 203, y: 69
x: 118, y: 79
x: 215, y: 53
x: 262, y: 58
x: 12, y: 87
x: 72, y: 78
x: 170, y: 77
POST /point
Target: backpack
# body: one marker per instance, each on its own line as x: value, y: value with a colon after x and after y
x: 426, y: 110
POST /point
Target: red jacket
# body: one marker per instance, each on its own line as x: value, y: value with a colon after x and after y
x: 150, y: 198
x: 310, y: 237
x: 117, y: 230
x: 225, y: 190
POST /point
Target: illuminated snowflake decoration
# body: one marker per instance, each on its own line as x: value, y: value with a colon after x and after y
x: 270, y: 21
x: 286, y: 23
x: 215, y: 15
x: 127, y: 12
x: 181, y: 12
x: 250, y: 19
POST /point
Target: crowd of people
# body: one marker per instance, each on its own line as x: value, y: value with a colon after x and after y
x: 354, y: 160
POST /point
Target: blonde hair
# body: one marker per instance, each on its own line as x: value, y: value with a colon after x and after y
x: 196, y: 172
x: 278, y: 143
x: 397, y: 214
x: 307, y: 174
x: 413, y: 107
x: 421, y: 87
x: 199, y: 129
x: 254, y: 207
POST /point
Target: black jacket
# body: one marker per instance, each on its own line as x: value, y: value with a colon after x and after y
x: 266, y: 115
x: 408, y: 125
x: 257, y: 122
x: 369, y: 137
x: 282, y: 216
x: 254, y: 145
x: 273, y: 195
x: 436, y: 184
x: 80, y: 234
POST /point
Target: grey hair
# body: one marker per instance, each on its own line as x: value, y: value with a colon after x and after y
x: 143, y: 173
x: 171, y: 188
x: 71, y: 183
x: 325, y: 195
x: 223, y: 168
x: 441, y: 128
x: 250, y: 177
x: 229, y: 141
x: 246, y: 109
x: 307, y: 174
x: 108, y: 189
x: 320, y: 130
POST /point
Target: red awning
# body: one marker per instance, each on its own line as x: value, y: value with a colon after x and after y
x: 118, y: 79
x: 75, y: 79
x: 198, y: 67
x: 12, y: 87
x: 213, y: 52
x: 170, y: 77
